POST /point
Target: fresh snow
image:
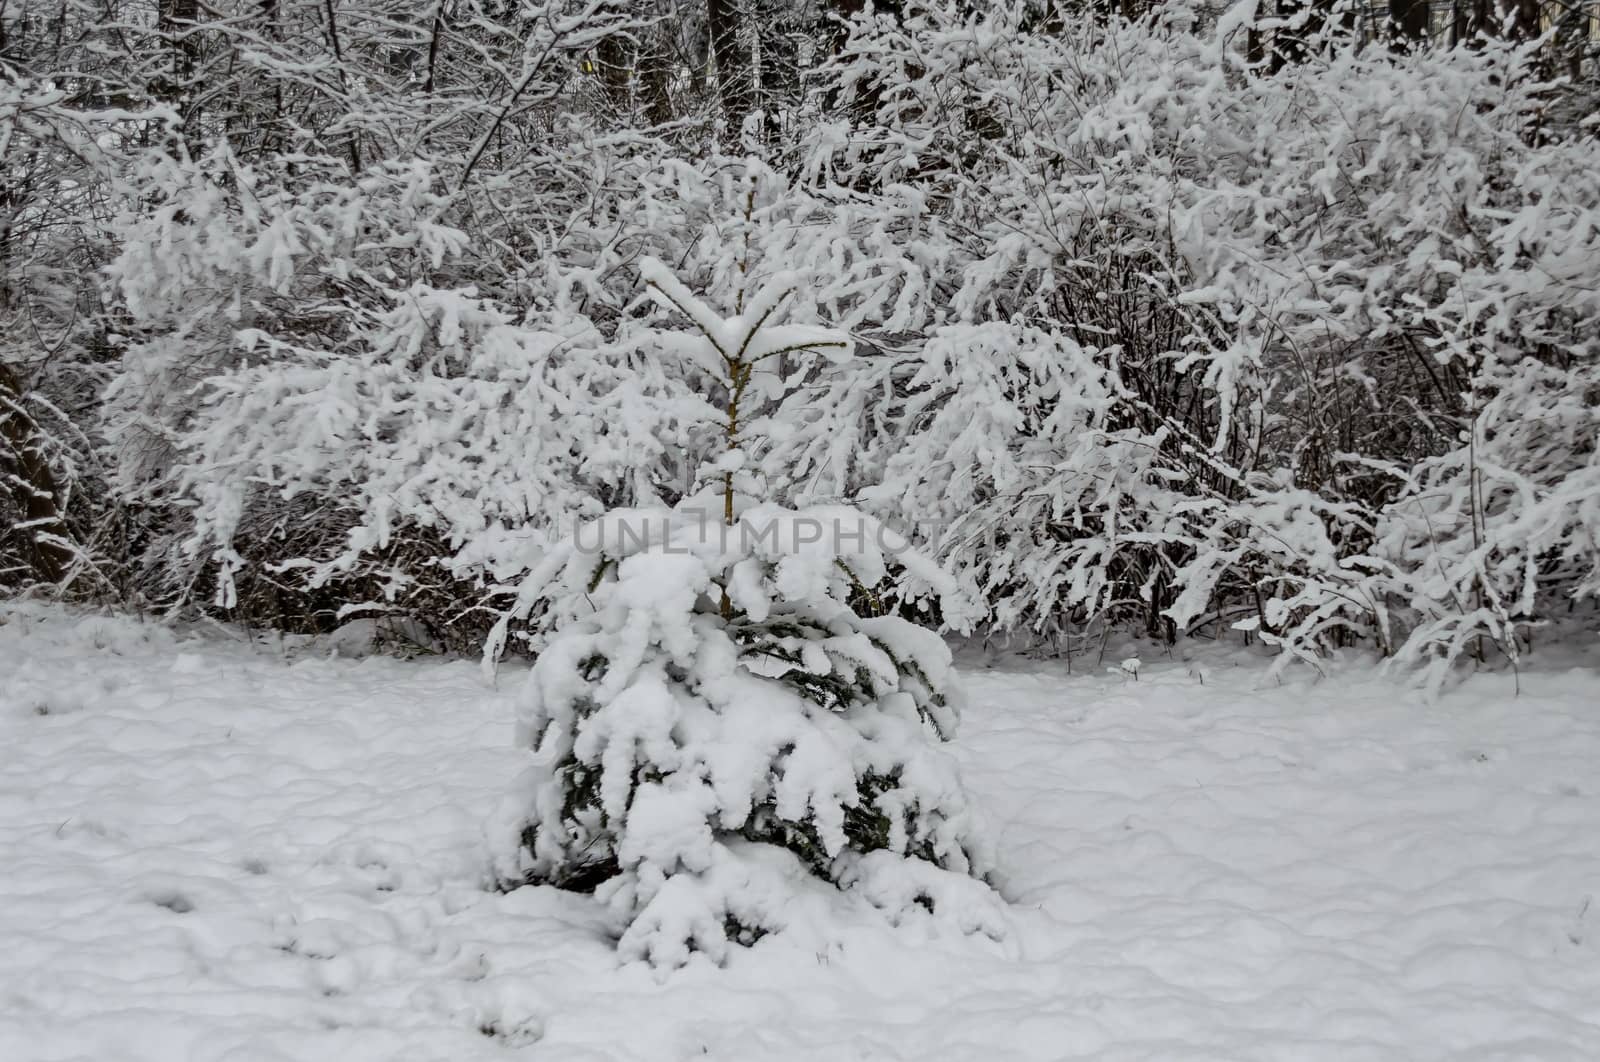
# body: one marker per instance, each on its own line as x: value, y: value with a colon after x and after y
x: 216, y: 849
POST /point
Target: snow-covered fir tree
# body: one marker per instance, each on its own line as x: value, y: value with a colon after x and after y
x: 719, y: 712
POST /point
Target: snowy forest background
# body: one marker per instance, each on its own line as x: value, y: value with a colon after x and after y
x: 1253, y: 322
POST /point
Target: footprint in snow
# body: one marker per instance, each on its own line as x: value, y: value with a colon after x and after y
x: 176, y: 902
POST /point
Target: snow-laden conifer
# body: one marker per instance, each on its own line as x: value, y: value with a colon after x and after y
x: 720, y: 711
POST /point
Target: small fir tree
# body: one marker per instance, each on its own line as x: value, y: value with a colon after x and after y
x: 714, y: 718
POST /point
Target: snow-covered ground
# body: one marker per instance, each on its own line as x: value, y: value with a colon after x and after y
x: 210, y: 850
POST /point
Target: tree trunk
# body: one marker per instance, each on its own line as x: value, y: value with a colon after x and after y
x: 1519, y: 19
x: 655, y: 78
x: 614, y: 57
x: 175, y: 22
x: 732, y: 63
x: 1572, y: 36
x: 778, y: 72
x: 1408, y: 23
x: 26, y: 476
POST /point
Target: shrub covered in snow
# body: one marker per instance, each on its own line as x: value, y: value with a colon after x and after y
x: 1315, y: 349
x: 716, y: 692
x: 1145, y: 332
